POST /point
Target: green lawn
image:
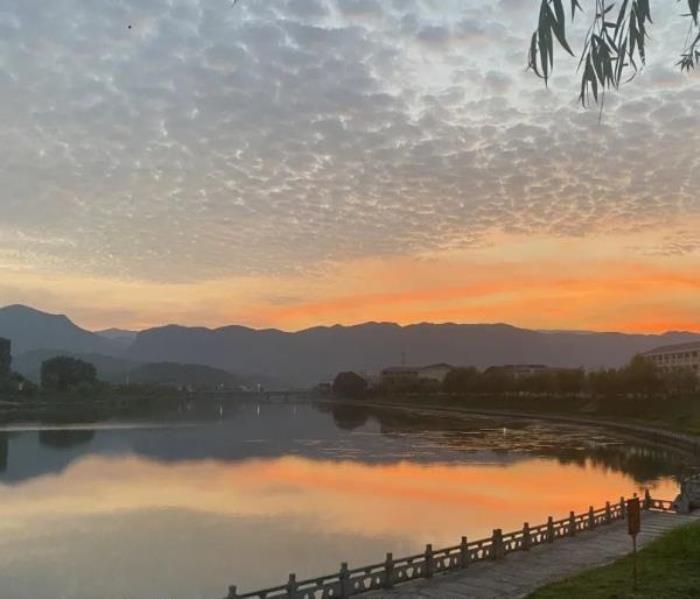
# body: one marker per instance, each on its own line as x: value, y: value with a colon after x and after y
x: 667, y: 568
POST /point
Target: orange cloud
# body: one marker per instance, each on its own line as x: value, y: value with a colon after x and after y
x: 587, y: 283
x: 541, y: 294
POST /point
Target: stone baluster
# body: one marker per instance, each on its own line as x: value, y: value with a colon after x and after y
x: 498, y: 548
x: 344, y: 577
x: 550, y: 530
x: 464, y: 553
x: 526, y: 536
x: 572, y: 524
x: 428, y: 561
x: 389, y: 571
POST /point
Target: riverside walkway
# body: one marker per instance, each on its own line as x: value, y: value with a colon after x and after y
x: 521, y: 573
x: 504, y: 565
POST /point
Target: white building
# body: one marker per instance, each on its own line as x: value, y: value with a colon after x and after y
x: 435, y: 372
x: 679, y: 356
x: 397, y: 375
x: 521, y: 370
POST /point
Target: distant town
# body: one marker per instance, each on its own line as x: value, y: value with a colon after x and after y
x: 46, y: 359
x: 664, y: 370
x: 668, y: 369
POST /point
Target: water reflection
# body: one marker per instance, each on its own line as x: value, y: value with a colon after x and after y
x: 4, y: 445
x: 65, y: 438
x: 184, y: 510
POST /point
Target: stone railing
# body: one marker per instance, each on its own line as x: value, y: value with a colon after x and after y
x: 347, y: 582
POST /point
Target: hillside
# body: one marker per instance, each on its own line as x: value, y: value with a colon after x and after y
x: 312, y: 355
x: 277, y: 358
x: 110, y: 369
x: 31, y: 329
x: 184, y: 375
x: 119, y: 371
x: 121, y: 339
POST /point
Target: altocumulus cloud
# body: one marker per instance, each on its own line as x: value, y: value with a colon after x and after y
x: 187, y: 139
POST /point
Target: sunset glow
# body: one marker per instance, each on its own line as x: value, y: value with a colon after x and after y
x: 294, y: 164
x: 331, y: 495
x: 544, y: 284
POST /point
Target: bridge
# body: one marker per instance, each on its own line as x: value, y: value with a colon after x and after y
x: 509, y: 564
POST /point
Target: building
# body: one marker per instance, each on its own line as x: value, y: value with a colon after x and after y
x: 520, y: 370
x: 675, y: 357
x: 435, y: 372
x: 403, y: 375
x: 399, y: 375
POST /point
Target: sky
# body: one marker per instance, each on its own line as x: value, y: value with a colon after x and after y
x: 289, y: 163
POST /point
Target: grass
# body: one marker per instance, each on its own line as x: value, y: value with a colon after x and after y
x: 668, y: 568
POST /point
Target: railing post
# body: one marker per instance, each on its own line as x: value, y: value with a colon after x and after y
x: 608, y: 514
x: 428, y: 561
x: 647, y: 500
x: 623, y: 510
x: 344, y: 581
x: 497, y: 544
x: 232, y: 592
x: 292, y: 586
x: 550, y: 530
x: 591, y: 518
x: 526, y: 536
x: 464, y: 553
x: 389, y: 571
x: 572, y: 524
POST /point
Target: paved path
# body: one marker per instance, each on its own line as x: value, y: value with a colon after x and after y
x: 521, y: 572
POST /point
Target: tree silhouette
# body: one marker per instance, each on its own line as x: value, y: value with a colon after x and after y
x: 63, y: 372
x: 350, y: 385
x: 5, y: 358
x: 615, y: 44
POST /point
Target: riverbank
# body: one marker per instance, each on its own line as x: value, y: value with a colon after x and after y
x: 564, y: 410
x: 667, y: 567
x: 144, y: 402
x: 631, y: 417
x: 522, y: 573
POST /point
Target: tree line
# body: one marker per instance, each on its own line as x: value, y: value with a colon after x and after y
x: 63, y: 374
x: 640, y: 378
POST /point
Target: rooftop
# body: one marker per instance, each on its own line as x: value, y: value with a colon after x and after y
x: 672, y: 348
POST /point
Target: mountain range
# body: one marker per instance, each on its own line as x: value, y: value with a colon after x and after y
x: 306, y: 357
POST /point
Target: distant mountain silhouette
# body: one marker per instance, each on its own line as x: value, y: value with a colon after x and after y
x: 120, y: 338
x: 177, y: 375
x: 316, y: 354
x: 31, y: 329
x: 114, y: 333
x: 278, y: 358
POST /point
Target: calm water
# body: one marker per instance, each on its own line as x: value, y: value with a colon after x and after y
x: 183, y: 510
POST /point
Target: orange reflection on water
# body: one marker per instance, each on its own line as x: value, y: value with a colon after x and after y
x: 424, y: 502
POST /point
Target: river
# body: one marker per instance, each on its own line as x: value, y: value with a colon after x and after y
x: 183, y: 507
